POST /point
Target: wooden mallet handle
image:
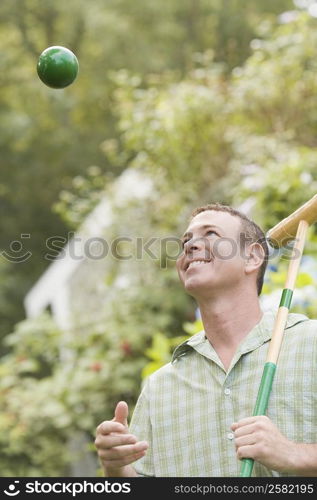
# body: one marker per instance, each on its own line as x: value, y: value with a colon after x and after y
x: 277, y: 335
x: 286, y: 230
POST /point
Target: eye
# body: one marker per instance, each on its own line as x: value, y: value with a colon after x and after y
x: 211, y: 231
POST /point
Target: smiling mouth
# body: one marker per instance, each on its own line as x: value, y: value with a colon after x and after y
x: 197, y: 263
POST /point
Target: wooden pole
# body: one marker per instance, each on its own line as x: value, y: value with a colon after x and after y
x: 277, y: 335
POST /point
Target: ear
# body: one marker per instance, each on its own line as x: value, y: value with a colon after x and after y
x: 254, y: 257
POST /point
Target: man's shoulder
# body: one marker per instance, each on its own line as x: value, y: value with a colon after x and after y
x: 156, y: 380
x: 296, y: 319
x: 187, y: 346
x: 301, y: 327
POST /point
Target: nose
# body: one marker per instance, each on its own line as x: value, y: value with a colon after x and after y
x: 193, y: 244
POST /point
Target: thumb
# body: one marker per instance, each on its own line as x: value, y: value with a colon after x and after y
x: 121, y: 413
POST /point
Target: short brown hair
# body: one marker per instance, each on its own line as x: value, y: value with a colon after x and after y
x: 252, y: 231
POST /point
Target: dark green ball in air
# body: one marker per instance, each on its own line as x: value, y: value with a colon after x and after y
x: 57, y: 67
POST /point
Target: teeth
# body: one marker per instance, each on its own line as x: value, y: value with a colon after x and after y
x: 197, y: 263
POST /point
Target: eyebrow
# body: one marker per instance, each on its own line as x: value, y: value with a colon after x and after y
x: 205, y: 226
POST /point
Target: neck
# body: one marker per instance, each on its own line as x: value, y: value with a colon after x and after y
x: 228, y: 322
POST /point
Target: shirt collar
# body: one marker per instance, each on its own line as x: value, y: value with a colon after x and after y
x: 261, y: 333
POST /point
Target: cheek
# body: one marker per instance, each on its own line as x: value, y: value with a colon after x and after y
x: 226, y: 250
x: 228, y: 259
x: 179, y: 264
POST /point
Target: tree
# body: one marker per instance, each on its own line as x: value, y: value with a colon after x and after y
x: 50, y: 137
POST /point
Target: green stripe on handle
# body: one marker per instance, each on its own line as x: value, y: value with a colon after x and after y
x: 260, y: 409
x: 286, y: 298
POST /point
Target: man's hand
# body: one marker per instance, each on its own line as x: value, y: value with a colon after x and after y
x: 116, y: 447
x: 260, y: 439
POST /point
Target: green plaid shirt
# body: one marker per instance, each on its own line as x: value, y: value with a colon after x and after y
x: 186, y: 408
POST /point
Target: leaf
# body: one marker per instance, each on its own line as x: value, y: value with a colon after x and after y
x: 192, y: 328
x: 150, y: 368
x: 304, y: 279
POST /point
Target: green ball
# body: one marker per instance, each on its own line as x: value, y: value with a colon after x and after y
x: 57, y: 67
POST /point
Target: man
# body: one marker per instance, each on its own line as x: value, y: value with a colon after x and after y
x: 193, y: 415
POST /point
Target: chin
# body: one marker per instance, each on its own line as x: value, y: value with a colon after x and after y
x: 195, y: 285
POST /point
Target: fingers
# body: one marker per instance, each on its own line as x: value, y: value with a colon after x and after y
x: 116, y: 457
x: 247, y: 434
x: 247, y: 444
x: 246, y: 429
x: 247, y: 452
x: 109, y: 426
x: 119, y: 452
x: 246, y: 440
x: 250, y: 420
x: 110, y: 434
x: 112, y: 440
x: 121, y: 413
x: 258, y: 438
x: 116, y: 464
x: 115, y: 445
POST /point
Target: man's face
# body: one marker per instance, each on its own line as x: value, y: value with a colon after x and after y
x: 211, y: 260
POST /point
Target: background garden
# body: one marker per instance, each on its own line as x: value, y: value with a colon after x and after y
x: 195, y: 101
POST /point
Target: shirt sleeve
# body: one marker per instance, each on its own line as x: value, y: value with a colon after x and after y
x: 141, y: 427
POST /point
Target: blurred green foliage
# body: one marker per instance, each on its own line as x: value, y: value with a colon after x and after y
x: 48, y: 138
x: 162, y: 347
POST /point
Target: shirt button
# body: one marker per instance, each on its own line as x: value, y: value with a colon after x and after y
x: 230, y: 435
x: 227, y: 391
